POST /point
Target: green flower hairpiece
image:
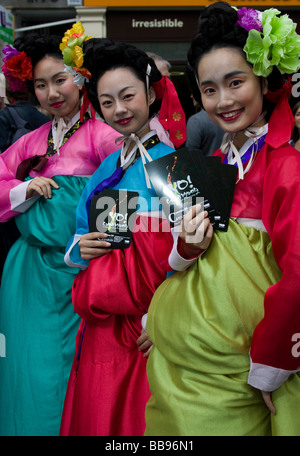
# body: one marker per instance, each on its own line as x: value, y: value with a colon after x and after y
x: 71, y: 47
x: 277, y: 45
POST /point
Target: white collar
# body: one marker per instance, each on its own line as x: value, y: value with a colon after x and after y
x: 69, y: 124
x: 231, y: 158
x: 126, y: 161
x: 234, y: 156
x: 60, y: 127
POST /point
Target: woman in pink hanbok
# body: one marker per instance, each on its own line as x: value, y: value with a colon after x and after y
x: 41, y: 179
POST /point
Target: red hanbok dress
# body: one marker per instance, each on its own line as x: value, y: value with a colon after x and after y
x: 108, y: 387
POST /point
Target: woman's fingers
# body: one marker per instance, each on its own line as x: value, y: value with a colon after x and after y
x: 267, y: 396
x: 195, y: 225
x: 93, y: 245
x: 94, y: 239
x: 144, y: 343
x: 42, y: 186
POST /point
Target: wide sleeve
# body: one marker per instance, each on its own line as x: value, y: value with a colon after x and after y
x: 274, y: 354
x: 124, y: 281
x: 9, y: 162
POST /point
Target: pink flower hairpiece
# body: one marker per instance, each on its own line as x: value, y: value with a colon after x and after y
x: 249, y: 19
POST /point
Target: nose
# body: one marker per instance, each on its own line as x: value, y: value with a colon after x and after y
x: 52, y: 91
x: 120, y: 108
x: 225, y: 100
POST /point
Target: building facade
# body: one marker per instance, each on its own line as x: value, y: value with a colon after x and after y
x: 164, y: 27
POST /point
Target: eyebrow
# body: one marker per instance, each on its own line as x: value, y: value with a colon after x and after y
x: 52, y: 77
x: 227, y: 76
x: 121, y: 91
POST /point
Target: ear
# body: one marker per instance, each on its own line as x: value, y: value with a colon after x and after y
x: 151, y: 96
x: 265, y: 86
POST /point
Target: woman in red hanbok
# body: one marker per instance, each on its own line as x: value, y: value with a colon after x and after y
x: 108, y: 386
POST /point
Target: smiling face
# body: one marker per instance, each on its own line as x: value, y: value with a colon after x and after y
x: 231, y: 94
x: 123, y: 101
x: 55, y: 89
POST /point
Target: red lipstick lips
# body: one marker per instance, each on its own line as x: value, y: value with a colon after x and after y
x: 124, y: 121
x: 230, y: 115
x: 57, y: 105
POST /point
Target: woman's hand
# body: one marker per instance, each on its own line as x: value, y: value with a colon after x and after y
x: 267, y: 397
x: 144, y: 343
x: 41, y: 186
x: 92, y: 246
x: 196, y: 231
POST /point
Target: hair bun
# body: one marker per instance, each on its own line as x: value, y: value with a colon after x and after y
x: 217, y: 19
x: 216, y: 25
x: 37, y: 46
x: 101, y: 54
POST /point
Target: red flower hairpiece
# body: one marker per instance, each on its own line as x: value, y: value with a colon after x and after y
x: 20, y: 66
x: 17, y: 68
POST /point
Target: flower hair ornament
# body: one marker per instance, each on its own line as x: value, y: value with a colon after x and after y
x: 272, y: 41
x: 73, y: 58
x: 17, y: 68
x: 71, y: 47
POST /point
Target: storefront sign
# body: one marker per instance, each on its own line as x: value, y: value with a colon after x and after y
x: 6, y: 26
x: 151, y: 25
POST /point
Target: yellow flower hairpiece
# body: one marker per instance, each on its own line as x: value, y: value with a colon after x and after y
x: 77, y: 29
x: 73, y: 56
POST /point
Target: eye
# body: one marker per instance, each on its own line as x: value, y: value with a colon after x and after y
x: 60, y: 80
x: 236, y: 82
x: 128, y: 96
x: 208, y: 91
x: 39, y: 86
x: 106, y: 103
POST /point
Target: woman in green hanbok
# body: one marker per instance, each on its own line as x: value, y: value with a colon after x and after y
x: 41, y: 179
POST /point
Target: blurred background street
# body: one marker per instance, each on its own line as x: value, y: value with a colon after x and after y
x: 164, y: 27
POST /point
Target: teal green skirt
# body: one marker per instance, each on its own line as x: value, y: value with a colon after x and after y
x: 37, y: 317
x: 201, y: 323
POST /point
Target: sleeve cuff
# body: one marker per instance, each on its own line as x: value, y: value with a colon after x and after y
x: 176, y: 261
x: 144, y: 321
x: 267, y: 378
x: 18, y: 200
x: 72, y: 256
